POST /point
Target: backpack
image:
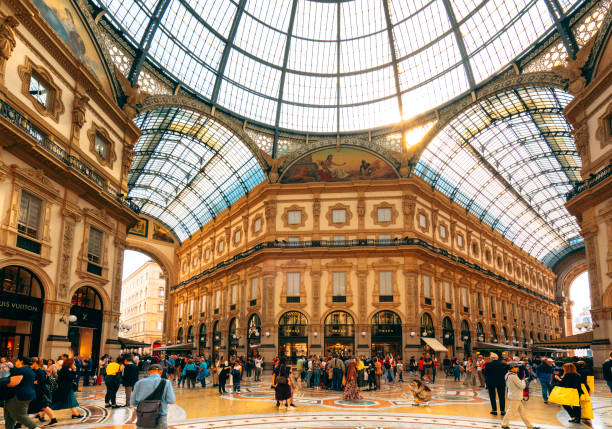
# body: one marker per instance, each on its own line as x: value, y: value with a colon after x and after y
x: 148, y: 411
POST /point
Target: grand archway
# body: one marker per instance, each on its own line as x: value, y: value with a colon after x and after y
x: 85, y: 331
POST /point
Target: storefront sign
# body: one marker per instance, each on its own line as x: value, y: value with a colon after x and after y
x: 13, y: 306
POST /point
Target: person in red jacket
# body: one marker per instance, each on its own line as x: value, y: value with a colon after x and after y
x: 421, y: 367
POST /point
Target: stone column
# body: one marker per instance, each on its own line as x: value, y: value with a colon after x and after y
x: 269, y: 346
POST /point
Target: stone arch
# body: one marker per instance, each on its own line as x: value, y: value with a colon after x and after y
x: 567, y: 270
x: 106, y: 300
x: 304, y: 313
x: 392, y: 310
x: 167, y: 266
x: 183, y: 102
x: 333, y: 310
x: 45, y: 281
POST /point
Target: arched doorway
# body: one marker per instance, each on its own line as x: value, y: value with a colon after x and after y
x: 386, y: 334
x: 232, y: 338
x: 179, y: 335
x: 466, y: 337
x: 85, y: 332
x: 216, y: 344
x: 480, y: 332
x: 190, y: 331
x: 505, y: 335
x: 515, y: 337
x: 202, y: 340
x: 448, y: 335
x: 292, y: 335
x: 21, y: 308
x: 253, y: 335
x: 427, y: 330
x: 339, y: 334
x: 493, y: 334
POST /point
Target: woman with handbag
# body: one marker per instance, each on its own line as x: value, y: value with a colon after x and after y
x: 112, y: 381
x: 64, y: 397
x: 282, y: 390
x: 571, y: 379
x: 41, y: 404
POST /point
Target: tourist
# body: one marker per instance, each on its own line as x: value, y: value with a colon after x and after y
x: 282, y: 390
x: 258, y: 367
x: 337, y: 369
x: 309, y: 371
x: 64, y: 397
x: 420, y: 392
x: 545, y: 373
x: 112, y: 381
x: 130, y: 377
x: 203, y: 372
x: 144, y: 388
x: 223, y: 376
x: 495, y: 373
x: 456, y: 369
x: 480, y: 363
x: 189, y: 373
x: 428, y: 367
x: 607, y: 371
x: 470, y: 373
x: 215, y: 372
x: 41, y: 405
x: 413, y: 365
x: 571, y: 379
x: 377, y: 372
x: 434, y: 369
x: 515, y: 397
x: 237, y: 375
x: 19, y: 395
x: 351, y: 390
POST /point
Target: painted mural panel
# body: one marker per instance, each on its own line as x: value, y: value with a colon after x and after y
x: 332, y: 165
x: 66, y: 22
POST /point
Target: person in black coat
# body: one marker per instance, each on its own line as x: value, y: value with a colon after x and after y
x: 495, y: 374
x: 41, y: 405
x: 130, y: 377
x: 64, y: 397
x: 572, y: 379
x: 223, y: 376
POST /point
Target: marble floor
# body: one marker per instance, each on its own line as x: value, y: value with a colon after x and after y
x: 453, y: 406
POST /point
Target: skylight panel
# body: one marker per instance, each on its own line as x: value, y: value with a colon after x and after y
x: 252, y: 74
x: 313, y: 56
x: 422, y: 28
x: 306, y: 89
x: 365, y: 52
x: 316, y: 20
x: 303, y: 118
x: 260, y: 40
x: 274, y: 13
x: 369, y: 115
x: 367, y: 86
x: 133, y: 16
x: 463, y: 8
x: 219, y: 14
x: 401, y: 9
x: 361, y: 17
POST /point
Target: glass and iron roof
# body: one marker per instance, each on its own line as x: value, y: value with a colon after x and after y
x: 509, y: 160
x: 188, y: 168
x: 332, y: 65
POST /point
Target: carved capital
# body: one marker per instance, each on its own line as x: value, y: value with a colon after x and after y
x: 7, y: 42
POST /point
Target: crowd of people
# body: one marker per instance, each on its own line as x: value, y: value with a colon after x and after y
x: 32, y: 389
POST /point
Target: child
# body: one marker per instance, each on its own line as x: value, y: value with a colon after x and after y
x: 420, y: 391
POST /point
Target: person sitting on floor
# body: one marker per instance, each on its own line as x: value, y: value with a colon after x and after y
x: 420, y: 391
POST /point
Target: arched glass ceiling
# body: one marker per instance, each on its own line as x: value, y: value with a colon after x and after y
x: 188, y: 168
x: 510, y: 160
x: 332, y: 65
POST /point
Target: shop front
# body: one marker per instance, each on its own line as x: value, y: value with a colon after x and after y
x: 202, y: 340
x: 85, y: 331
x: 253, y: 335
x: 466, y: 337
x: 339, y: 334
x: 292, y: 336
x: 216, y: 344
x: 386, y: 334
x: 448, y: 335
x: 21, y: 309
x: 232, y: 339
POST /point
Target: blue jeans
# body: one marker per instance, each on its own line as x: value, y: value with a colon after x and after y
x: 546, y: 389
x: 609, y: 383
x: 337, y: 379
x: 317, y: 377
x: 308, y: 378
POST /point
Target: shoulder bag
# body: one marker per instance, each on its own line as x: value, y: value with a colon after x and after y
x: 148, y: 411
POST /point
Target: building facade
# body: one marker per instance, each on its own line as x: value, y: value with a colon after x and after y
x: 142, y: 304
x: 65, y: 146
x: 356, y: 267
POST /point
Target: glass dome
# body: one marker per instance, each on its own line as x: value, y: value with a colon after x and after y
x: 332, y: 66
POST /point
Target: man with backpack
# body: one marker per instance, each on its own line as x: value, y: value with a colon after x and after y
x: 151, y: 396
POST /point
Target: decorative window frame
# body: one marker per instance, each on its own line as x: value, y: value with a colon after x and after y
x: 447, y: 231
x: 285, y: 216
x: 384, y: 205
x: 330, y: 215
x: 427, y: 221
x: 261, y: 227
x: 604, y: 130
x: 252, y: 273
x: 111, y: 155
x: 236, y: 231
x: 55, y: 107
x: 207, y: 252
x: 462, y: 245
x: 347, y: 267
x: 220, y: 247
x: 429, y: 270
x: 385, y: 264
x: 488, y: 256
x: 99, y: 220
x: 293, y: 266
x: 475, y: 254
x: 35, y: 182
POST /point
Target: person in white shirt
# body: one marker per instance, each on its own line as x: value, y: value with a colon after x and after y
x: 258, y: 368
x: 515, y: 388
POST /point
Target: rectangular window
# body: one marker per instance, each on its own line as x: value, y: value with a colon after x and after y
x: 234, y: 294
x: 447, y: 293
x: 237, y: 236
x: 181, y: 311
x: 480, y: 300
x: 384, y: 238
x: 101, y: 146
x: 460, y: 240
x: 427, y: 286
x: 294, y: 241
x: 492, y: 304
x: 464, y: 297
x: 161, y: 292
x: 202, y: 305
x: 339, y: 283
x: 207, y: 254
x: 221, y: 246
x: 257, y: 225
x: 293, y: 284
x: 384, y: 214
x: 29, y: 214
x: 159, y: 326
x: 339, y: 239
x: 442, y: 231
x: 39, y: 90
x: 254, y: 288
x: 191, y: 305
x: 385, y: 282
x: 422, y: 221
x: 504, y: 307
x: 294, y: 217
x: 217, y: 299
x: 94, y: 246
x: 160, y: 308
x: 338, y: 216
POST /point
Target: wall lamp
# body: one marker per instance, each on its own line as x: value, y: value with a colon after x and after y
x: 68, y: 319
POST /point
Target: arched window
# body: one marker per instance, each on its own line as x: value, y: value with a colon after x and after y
x: 386, y: 324
x: 254, y: 326
x: 202, y: 335
x: 465, y: 330
x: 505, y: 333
x: 179, y: 336
x: 87, y: 297
x: 19, y: 280
x: 427, y: 326
x: 480, y: 332
x: 515, y: 337
x: 493, y: 334
x: 190, y: 334
x: 448, y: 333
x: 233, y: 339
x: 339, y: 324
x: 292, y: 324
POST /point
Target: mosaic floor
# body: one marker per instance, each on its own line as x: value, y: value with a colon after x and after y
x: 453, y: 405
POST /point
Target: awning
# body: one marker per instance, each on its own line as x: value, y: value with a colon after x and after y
x: 549, y: 349
x: 578, y: 341
x: 178, y: 347
x: 497, y: 346
x: 126, y: 343
x: 436, y: 345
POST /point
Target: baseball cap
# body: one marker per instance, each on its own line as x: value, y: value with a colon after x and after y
x: 155, y: 367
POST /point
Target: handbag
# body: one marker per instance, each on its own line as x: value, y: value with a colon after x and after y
x: 591, y: 382
x: 564, y: 396
x: 148, y: 411
x: 586, y: 409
